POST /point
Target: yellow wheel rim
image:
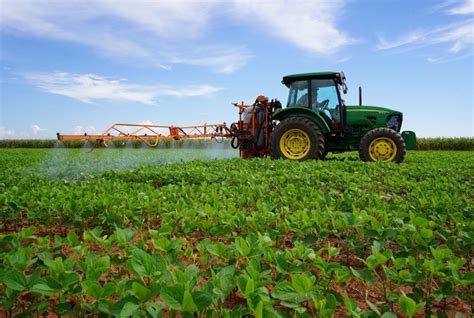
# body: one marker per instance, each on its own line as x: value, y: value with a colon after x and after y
x: 295, y: 144
x: 382, y: 149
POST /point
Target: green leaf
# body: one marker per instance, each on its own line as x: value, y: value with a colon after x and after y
x: 27, y: 232
x: 351, y: 306
x: 246, y: 285
x: 188, y: 302
x: 62, y: 308
x: 426, y: 233
x: 392, y: 296
x: 142, y: 263
x: 70, y: 279
x: 375, y: 260
x: 55, y: 265
x: 173, y: 296
x: 165, y: 229
x: 302, y: 283
x: 441, y: 252
x: 162, y: 243
x: 128, y: 309
x: 141, y: 291
x: 259, y: 310
x: 286, y: 292
x: 405, y: 274
x: 333, y: 251
x: 72, y: 238
x: 389, y: 314
x: 103, y: 307
x: 202, y: 299
x: 124, y: 235
x: 469, y: 277
x: 420, y: 221
x: 116, y: 308
x: 225, y: 279
x: 35, y: 277
x: 108, y: 289
x: 364, y: 274
x: 154, y: 309
x: 373, y: 307
x: 15, y: 281
x: 242, y: 247
x: 92, y: 288
x: 216, y: 249
x: 43, y: 289
x: 408, y: 305
x: 191, y: 271
x: 376, y: 247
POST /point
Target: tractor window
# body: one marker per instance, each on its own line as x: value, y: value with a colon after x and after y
x: 298, y: 94
x: 325, y: 98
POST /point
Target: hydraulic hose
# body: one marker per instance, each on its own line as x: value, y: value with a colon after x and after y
x: 234, y: 143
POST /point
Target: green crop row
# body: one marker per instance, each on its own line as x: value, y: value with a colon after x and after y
x: 128, y: 233
x: 461, y: 143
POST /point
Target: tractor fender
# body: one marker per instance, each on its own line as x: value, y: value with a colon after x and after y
x: 303, y: 112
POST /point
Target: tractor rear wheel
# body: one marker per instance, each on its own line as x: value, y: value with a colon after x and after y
x: 297, y: 138
x: 382, y: 144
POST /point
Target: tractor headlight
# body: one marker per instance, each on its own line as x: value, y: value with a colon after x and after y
x: 395, y: 122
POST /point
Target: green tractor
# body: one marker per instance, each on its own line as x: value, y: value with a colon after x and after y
x: 317, y: 121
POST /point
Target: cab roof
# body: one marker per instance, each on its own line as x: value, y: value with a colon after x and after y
x: 301, y: 76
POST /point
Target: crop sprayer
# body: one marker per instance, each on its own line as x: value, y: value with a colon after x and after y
x: 314, y: 122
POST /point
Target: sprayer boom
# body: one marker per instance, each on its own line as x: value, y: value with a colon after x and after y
x: 250, y: 134
x: 152, y: 134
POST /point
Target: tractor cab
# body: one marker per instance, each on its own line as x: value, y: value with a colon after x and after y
x: 317, y: 121
x: 320, y: 93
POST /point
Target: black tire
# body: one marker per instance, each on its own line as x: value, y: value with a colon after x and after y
x: 316, y: 148
x: 325, y: 153
x: 395, y: 155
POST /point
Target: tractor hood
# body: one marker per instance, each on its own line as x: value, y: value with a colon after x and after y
x: 373, y: 117
x: 376, y: 110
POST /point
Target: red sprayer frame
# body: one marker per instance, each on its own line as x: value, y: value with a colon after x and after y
x: 245, y: 134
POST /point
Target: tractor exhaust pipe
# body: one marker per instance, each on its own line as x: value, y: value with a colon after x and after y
x: 360, y: 95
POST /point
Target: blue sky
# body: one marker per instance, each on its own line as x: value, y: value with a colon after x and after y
x: 78, y: 66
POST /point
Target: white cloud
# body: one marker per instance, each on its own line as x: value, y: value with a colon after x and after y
x: 151, y: 31
x: 167, y: 18
x: 221, y: 59
x: 309, y: 25
x: 6, y: 133
x: 458, y: 36
x: 454, y: 39
x: 80, y: 130
x: 89, y: 88
x: 462, y: 7
x: 37, y: 129
x: 34, y: 133
x: 447, y: 58
x: 168, y: 32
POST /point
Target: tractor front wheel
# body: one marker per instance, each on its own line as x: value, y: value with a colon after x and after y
x: 297, y: 138
x: 382, y: 144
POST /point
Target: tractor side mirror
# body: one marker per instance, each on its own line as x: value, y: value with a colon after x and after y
x: 344, y: 88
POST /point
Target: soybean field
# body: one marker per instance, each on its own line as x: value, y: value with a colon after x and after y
x: 201, y: 233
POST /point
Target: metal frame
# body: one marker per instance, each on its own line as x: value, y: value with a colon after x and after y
x: 150, y: 134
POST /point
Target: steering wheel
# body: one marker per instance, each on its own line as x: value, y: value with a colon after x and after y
x: 324, y: 105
